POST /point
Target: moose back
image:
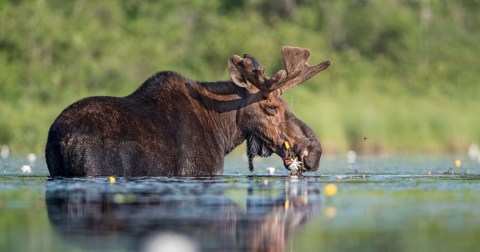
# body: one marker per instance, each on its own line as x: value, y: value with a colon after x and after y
x: 175, y: 126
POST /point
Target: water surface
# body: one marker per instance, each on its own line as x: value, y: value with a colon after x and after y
x: 382, y: 204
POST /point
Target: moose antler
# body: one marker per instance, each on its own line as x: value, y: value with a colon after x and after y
x: 298, y: 70
x: 248, y: 72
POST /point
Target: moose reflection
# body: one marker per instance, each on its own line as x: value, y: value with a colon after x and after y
x: 204, y: 214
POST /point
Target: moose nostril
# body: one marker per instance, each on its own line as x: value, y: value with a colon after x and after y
x: 305, y: 153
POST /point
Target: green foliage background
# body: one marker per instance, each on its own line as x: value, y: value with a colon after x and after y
x: 405, y: 74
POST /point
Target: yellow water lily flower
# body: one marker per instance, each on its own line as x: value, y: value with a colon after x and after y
x: 330, y: 189
x: 458, y: 162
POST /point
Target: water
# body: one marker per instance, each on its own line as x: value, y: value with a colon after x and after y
x: 387, y: 203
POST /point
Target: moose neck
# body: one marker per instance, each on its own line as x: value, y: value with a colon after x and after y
x: 222, y: 101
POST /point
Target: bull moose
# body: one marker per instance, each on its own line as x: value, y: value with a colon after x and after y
x: 175, y: 126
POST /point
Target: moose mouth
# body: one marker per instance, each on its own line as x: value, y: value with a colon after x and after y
x: 257, y: 147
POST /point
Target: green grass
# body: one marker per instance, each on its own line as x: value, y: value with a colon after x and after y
x: 394, y: 124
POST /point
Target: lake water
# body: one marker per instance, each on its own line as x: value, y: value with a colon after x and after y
x: 382, y: 203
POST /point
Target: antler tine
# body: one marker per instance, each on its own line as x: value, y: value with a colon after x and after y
x: 266, y: 85
x: 297, y: 68
x: 256, y: 65
x: 294, y: 58
x: 256, y: 72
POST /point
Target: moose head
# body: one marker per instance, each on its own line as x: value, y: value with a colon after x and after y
x: 267, y: 122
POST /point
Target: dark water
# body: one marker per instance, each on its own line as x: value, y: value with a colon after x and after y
x: 382, y: 204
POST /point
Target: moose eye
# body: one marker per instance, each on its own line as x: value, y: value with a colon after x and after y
x: 271, y: 109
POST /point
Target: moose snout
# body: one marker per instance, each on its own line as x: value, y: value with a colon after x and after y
x: 307, y: 146
x: 309, y: 150
x: 311, y: 161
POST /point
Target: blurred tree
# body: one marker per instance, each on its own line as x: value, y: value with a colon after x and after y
x: 55, y: 52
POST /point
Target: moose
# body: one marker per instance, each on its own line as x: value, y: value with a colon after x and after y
x: 173, y: 126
